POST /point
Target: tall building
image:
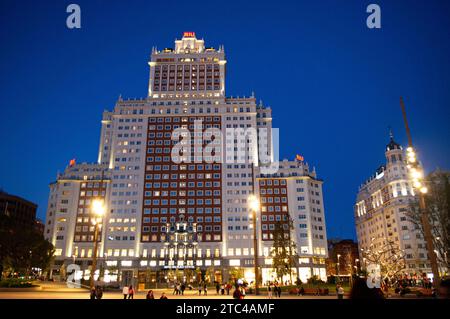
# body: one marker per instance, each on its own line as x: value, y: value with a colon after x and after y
x: 175, y: 170
x: 16, y: 211
x: 295, y: 193
x: 381, y: 212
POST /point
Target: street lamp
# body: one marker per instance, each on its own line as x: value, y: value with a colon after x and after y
x: 337, y: 266
x: 416, y: 174
x: 98, y: 208
x: 253, y: 204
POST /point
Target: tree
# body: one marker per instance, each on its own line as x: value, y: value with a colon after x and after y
x: 389, y: 257
x: 438, y: 212
x: 236, y: 273
x: 23, y: 248
x: 284, y: 255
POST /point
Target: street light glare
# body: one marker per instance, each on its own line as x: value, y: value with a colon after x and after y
x: 253, y: 202
x: 98, y: 208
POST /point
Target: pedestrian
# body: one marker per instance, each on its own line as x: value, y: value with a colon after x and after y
x: 199, y: 289
x: 269, y: 290
x: 242, y: 292
x: 125, y: 292
x: 340, y: 292
x: 175, y: 289
x: 302, y: 291
x: 130, y: 292
x: 93, y: 294
x: 205, y: 289
x: 183, y: 288
x: 163, y: 296
x: 360, y: 290
x: 279, y: 291
x: 150, y: 295
x: 228, y: 288
x: 222, y: 289
x: 217, y: 287
x: 237, y: 293
x: 444, y: 289
x: 99, y: 292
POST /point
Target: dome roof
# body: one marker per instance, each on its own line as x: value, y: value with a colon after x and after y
x: 393, y: 145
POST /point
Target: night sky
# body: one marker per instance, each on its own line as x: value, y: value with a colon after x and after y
x: 333, y: 84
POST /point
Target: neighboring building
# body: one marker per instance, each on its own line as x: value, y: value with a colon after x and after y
x: 17, y: 210
x: 294, y: 192
x: 343, y: 257
x: 164, y: 214
x: 39, y: 226
x: 381, y: 211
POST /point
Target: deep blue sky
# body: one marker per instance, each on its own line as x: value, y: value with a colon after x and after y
x: 333, y: 84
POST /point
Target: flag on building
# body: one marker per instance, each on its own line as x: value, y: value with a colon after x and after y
x: 72, y: 162
x: 299, y: 158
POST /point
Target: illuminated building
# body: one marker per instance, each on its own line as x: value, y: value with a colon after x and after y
x: 169, y: 214
x: 381, y: 212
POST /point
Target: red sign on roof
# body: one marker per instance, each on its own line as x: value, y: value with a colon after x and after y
x: 189, y: 34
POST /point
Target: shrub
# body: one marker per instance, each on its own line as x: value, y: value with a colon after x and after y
x: 15, y: 283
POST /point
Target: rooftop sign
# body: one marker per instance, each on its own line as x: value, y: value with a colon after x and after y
x: 189, y: 34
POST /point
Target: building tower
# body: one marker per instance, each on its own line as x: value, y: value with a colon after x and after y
x: 381, y: 212
x: 176, y: 180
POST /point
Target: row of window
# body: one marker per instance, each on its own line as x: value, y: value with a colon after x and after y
x: 174, y: 210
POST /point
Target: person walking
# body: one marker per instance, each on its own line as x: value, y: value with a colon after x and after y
x: 269, y: 290
x: 228, y: 288
x: 279, y: 291
x: 340, y: 292
x: 199, y: 289
x: 222, y: 289
x: 150, y: 295
x: 98, y: 292
x: 205, y: 289
x: 175, y: 289
x: 93, y: 295
x: 183, y: 288
x: 130, y: 292
x: 217, y: 287
x: 301, y: 292
x: 125, y: 292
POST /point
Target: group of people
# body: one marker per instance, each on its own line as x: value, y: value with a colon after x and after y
x: 222, y: 288
x: 273, y: 288
x: 151, y: 295
x: 128, y: 292
x: 179, y: 288
x: 97, y: 292
x: 202, y: 287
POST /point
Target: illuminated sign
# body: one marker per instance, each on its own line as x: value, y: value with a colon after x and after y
x: 189, y: 34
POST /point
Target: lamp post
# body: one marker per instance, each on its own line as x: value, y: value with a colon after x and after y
x: 416, y: 174
x: 98, y: 208
x: 254, y: 206
x: 337, y: 266
x: 445, y: 267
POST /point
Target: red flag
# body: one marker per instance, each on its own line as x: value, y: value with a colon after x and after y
x: 72, y: 162
x: 299, y: 158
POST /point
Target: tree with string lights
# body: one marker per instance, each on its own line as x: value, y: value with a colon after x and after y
x: 389, y: 257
